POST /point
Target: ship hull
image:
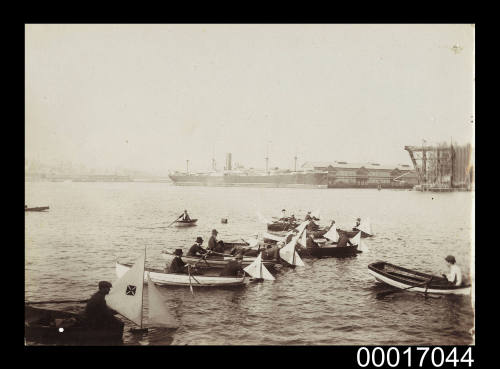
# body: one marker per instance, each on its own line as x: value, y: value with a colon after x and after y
x: 309, y: 180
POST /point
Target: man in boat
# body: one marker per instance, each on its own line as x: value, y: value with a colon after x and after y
x: 97, y: 313
x: 185, y: 216
x: 212, y: 242
x: 196, y: 249
x: 358, y: 222
x: 283, y: 216
x: 310, y: 243
x: 271, y: 252
x: 344, y: 240
x: 233, y: 268
x: 455, y: 275
x: 312, y: 226
x: 177, y: 265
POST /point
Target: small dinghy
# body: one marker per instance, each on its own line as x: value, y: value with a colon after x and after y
x: 331, y: 251
x: 213, y: 262
x: 414, y: 281
x: 64, y: 328
x: 39, y: 208
x: 186, y: 223
x: 159, y: 277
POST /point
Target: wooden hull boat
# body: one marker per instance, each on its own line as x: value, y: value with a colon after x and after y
x: 214, y: 262
x: 353, y: 233
x: 158, y: 276
x: 40, y: 326
x: 186, y: 223
x: 40, y: 208
x: 316, y: 234
x: 328, y: 251
x: 403, y: 278
x: 281, y: 226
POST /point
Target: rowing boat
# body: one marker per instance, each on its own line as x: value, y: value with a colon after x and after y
x: 158, y: 276
x: 39, y: 208
x: 328, y: 251
x: 281, y: 226
x: 213, y: 262
x: 186, y: 223
x: 412, y: 280
x: 64, y: 328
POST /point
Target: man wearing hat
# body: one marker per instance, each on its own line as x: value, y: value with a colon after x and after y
x: 97, y: 313
x: 196, y: 249
x: 177, y: 265
x: 233, y: 268
x: 455, y: 275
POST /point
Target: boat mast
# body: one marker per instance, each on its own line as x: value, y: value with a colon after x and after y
x: 142, y: 295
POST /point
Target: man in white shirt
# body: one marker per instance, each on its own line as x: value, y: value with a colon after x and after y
x: 455, y: 275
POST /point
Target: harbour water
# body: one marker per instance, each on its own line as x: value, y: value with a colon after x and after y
x: 328, y: 302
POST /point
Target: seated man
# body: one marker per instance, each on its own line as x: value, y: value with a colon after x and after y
x: 185, y: 216
x: 455, y: 275
x: 308, y: 216
x: 358, y: 222
x: 97, y: 314
x: 270, y: 252
x: 343, y: 241
x: 310, y: 243
x: 196, y: 249
x: 177, y: 265
x: 233, y: 268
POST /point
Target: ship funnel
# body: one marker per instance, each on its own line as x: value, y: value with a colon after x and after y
x: 228, y: 161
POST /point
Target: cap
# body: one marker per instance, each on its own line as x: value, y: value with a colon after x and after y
x: 450, y: 259
x: 178, y: 252
x: 104, y: 284
x: 199, y: 239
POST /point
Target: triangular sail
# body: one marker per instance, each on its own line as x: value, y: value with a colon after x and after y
x: 288, y: 252
x: 126, y: 294
x: 258, y: 270
x: 356, y: 240
x: 366, y: 226
x: 159, y: 315
x: 332, y: 234
x: 303, y: 239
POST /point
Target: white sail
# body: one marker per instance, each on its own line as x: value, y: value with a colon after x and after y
x: 126, y: 294
x: 332, y: 234
x: 288, y: 252
x: 274, y: 237
x: 366, y: 226
x: 303, y: 239
x: 258, y: 270
x: 159, y: 315
x: 356, y: 240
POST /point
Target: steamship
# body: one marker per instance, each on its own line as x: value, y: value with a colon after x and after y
x: 239, y: 177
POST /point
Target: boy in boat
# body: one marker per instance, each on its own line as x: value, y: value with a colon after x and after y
x: 455, y: 275
x: 344, y: 240
x: 185, y: 216
x: 177, y: 265
x: 233, y: 268
x: 358, y: 222
x: 97, y: 313
x: 196, y: 249
x: 310, y: 243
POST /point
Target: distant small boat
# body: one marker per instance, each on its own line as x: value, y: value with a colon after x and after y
x: 414, y: 281
x: 41, y: 326
x: 186, y: 223
x: 40, y: 208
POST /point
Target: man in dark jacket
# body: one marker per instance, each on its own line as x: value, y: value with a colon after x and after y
x: 196, y: 249
x: 212, y: 242
x: 310, y: 243
x: 343, y: 241
x: 177, y: 265
x: 233, y: 268
x: 97, y: 313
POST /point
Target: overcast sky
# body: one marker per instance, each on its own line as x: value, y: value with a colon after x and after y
x: 151, y: 96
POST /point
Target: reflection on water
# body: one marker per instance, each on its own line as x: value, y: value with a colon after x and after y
x: 329, y: 301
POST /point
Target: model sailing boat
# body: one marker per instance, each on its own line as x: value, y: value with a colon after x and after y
x: 288, y: 253
x: 126, y: 297
x: 258, y: 270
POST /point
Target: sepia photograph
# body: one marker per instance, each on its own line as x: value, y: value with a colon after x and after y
x: 250, y: 185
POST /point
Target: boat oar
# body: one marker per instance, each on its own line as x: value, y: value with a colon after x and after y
x: 190, y: 285
x: 56, y: 302
x: 385, y: 293
x: 174, y: 221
